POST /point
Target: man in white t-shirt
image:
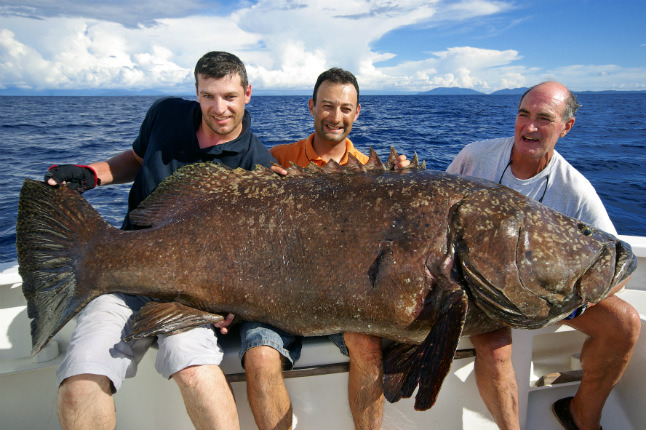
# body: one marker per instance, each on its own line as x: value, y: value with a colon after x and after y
x: 529, y: 164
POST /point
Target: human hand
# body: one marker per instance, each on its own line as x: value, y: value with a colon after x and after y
x: 224, y: 324
x: 77, y: 177
x: 278, y: 169
x: 401, y: 162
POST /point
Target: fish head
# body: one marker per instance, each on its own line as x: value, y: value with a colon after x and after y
x: 527, y: 265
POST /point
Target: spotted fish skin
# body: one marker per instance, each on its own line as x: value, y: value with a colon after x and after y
x: 365, y: 249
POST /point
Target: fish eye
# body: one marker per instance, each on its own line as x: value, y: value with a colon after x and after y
x: 584, y: 229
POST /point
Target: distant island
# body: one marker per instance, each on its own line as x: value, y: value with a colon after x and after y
x: 183, y: 92
x: 456, y: 91
x: 452, y: 91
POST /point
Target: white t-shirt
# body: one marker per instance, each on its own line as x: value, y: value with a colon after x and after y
x: 562, y: 187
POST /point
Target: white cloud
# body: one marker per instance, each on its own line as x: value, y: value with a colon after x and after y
x: 284, y: 43
x: 22, y: 67
x: 598, y: 77
x: 466, y: 67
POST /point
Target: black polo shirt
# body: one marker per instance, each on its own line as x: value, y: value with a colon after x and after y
x: 167, y: 140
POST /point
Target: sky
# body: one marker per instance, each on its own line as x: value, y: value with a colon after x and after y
x: 391, y: 46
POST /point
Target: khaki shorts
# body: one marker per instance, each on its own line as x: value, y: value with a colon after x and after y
x: 97, y: 347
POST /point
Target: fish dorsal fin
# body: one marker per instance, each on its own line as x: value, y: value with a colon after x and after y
x: 392, y: 159
x: 168, y: 318
x: 294, y: 169
x: 354, y: 164
x: 187, y: 187
x: 373, y: 161
x: 332, y: 167
x: 407, y: 366
x: 415, y: 162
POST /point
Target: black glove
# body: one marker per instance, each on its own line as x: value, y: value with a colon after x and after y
x: 76, y: 177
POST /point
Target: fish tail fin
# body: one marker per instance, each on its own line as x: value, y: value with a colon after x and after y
x: 407, y: 366
x: 53, y: 228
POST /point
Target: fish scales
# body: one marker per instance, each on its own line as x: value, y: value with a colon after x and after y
x: 320, y: 253
x: 416, y: 256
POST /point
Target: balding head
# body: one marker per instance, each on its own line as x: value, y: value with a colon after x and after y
x: 557, y: 91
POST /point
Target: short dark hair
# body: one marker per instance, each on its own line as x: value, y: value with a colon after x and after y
x: 338, y: 76
x: 571, y: 103
x: 218, y: 64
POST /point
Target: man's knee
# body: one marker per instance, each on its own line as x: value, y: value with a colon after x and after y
x: 78, y: 388
x: 263, y: 360
x: 622, y: 327
x: 614, y: 321
x: 189, y: 376
x: 493, y: 347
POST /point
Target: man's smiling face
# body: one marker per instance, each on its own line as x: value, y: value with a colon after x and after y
x: 540, y: 123
x: 334, y: 112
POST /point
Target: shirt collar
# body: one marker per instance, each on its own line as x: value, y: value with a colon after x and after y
x: 312, y: 156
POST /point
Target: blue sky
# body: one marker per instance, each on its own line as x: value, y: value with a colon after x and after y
x: 402, y: 46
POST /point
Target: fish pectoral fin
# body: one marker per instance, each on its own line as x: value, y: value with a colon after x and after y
x: 407, y: 366
x: 168, y: 318
x: 401, y: 371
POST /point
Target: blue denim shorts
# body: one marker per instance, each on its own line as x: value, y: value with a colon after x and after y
x: 577, y: 312
x: 337, y: 338
x: 253, y: 334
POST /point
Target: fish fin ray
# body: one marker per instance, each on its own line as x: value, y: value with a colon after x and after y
x: 401, y: 371
x: 445, y: 338
x: 392, y: 159
x: 168, y: 318
x: 178, y: 193
x: 373, y: 161
x: 426, y: 365
x: 53, y: 227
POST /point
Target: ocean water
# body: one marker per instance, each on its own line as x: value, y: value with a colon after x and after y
x: 607, y: 143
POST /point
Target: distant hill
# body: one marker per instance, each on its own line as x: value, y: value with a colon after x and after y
x: 510, y: 92
x: 443, y: 91
x: 610, y: 92
x: 452, y: 91
x: 182, y: 92
x: 89, y: 92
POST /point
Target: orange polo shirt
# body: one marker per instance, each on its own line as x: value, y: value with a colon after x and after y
x: 302, y: 153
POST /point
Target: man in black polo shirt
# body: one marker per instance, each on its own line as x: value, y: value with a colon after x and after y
x: 175, y: 133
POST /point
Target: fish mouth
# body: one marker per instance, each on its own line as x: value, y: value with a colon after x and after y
x: 626, y: 262
x: 602, y: 277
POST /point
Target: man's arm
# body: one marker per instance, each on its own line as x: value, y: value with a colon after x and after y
x: 119, y: 169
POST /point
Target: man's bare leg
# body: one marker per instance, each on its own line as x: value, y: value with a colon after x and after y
x: 495, y: 377
x: 85, y: 402
x: 365, y: 380
x: 613, y: 327
x: 208, y: 398
x: 266, y: 390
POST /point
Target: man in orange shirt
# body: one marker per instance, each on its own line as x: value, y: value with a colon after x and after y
x: 335, y: 107
x: 265, y: 350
